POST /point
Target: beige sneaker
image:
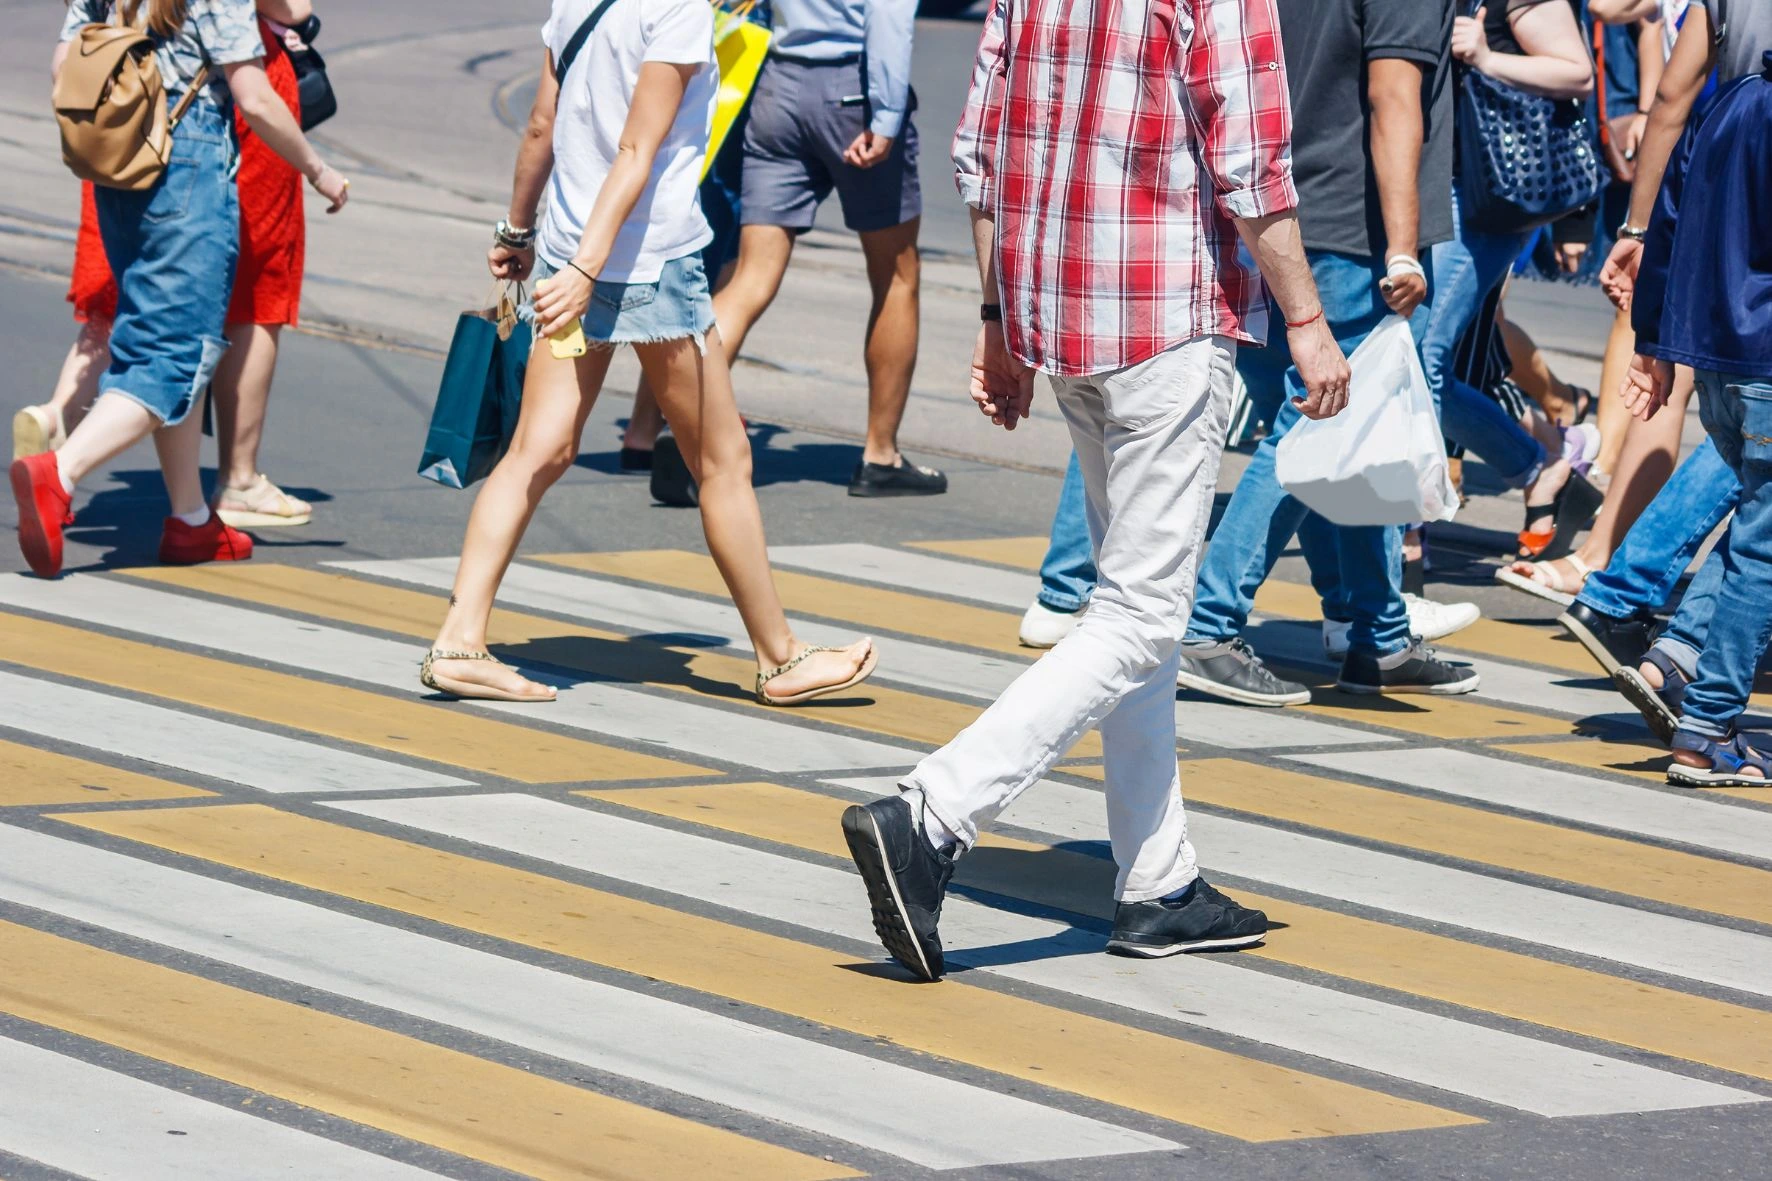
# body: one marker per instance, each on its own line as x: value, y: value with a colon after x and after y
x: 261, y: 505
x: 37, y: 429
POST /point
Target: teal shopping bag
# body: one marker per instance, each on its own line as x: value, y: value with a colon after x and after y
x: 481, y: 394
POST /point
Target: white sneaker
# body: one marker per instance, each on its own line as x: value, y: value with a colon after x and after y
x: 1427, y: 619
x: 1043, y: 627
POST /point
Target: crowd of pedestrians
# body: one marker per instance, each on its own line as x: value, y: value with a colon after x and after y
x: 1183, y: 219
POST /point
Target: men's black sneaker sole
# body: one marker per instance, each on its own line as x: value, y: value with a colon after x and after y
x: 868, y: 849
x: 881, y: 491
x: 1661, y: 720
x: 1156, y: 951
x: 1210, y: 688
x: 1449, y: 689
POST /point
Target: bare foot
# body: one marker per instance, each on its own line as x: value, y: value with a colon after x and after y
x: 821, y: 669
x: 1653, y: 675
x: 487, y: 678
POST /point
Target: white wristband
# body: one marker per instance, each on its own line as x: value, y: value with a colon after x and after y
x: 1403, y: 264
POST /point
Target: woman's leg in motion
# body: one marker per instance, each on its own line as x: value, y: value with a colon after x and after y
x: 181, y: 450
x: 694, y: 390
x: 35, y: 427
x: 1615, y: 418
x: 1532, y: 373
x: 111, y: 427
x: 242, y: 389
x: 557, y: 398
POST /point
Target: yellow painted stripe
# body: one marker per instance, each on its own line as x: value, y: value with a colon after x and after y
x: 1486, y: 979
x: 1033, y: 1042
x: 30, y: 776
x: 1023, y: 553
x: 1627, y: 757
x: 498, y: 1114
x: 453, y: 736
x: 874, y: 709
x: 1488, y: 838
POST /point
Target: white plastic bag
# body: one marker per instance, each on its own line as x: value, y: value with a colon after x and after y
x: 1381, y: 461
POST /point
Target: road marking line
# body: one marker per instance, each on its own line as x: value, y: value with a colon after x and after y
x: 1593, y: 1004
x: 1565, y: 795
x: 31, y: 777
x: 1624, y: 756
x: 106, y: 1126
x: 462, y: 1104
x: 907, y: 570
x: 1021, y: 553
x: 203, y: 746
x: 405, y: 727
x: 1677, y: 947
x: 1464, y: 1059
x: 794, y: 1080
x: 754, y: 735
x: 1058, y: 1048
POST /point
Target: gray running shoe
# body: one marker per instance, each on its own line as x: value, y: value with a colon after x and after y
x: 1233, y: 672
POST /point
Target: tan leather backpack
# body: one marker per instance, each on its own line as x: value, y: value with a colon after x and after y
x: 111, y: 105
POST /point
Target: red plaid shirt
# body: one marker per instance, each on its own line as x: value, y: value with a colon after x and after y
x: 1113, y: 141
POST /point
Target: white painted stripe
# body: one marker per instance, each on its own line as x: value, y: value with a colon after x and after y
x: 803, y: 1083
x: 672, y: 725
x: 107, y: 1126
x: 1493, y: 1065
x: 922, y: 666
x: 1387, y: 881
x: 204, y: 746
x: 1568, y: 795
x: 906, y: 570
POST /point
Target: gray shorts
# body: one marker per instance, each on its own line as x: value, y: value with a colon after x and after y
x: 793, y: 152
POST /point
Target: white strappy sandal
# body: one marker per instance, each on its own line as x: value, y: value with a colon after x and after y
x: 1546, y: 581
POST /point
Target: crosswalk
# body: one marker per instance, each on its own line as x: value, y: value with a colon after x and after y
x: 268, y: 908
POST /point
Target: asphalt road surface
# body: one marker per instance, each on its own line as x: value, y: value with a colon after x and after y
x: 270, y: 910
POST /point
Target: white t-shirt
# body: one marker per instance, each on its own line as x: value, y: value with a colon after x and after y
x: 667, y: 222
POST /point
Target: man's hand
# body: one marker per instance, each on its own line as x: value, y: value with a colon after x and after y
x: 1618, y: 278
x: 508, y: 264
x: 1322, y: 368
x: 1002, y: 386
x: 868, y: 150
x: 1403, y: 292
x: 1470, y: 44
x: 1646, y: 384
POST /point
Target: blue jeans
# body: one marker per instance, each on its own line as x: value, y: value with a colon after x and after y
x: 1466, y: 269
x: 1067, y: 576
x: 1659, y: 547
x: 1737, y: 413
x: 173, y: 247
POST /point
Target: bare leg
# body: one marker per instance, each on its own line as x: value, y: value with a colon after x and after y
x: 557, y: 398
x: 44, y: 427
x: 894, y: 275
x: 111, y: 427
x: 1532, y: 373
x: 181, y: 449
x: 1615, y: 418
x: 695, y: 392
x: 646, y: 422
x: 242, y: 389
x: 763, y: 254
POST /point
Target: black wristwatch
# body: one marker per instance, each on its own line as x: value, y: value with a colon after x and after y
x: 990, y: 313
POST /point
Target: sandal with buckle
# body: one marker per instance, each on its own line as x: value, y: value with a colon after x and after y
x: 1727, y: 759
x: 769, y: 674
x: 468, y: 690
x: 1661, y: 707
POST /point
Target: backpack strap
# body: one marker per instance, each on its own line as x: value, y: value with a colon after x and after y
x: 187, y: 98
x: 568, y: 55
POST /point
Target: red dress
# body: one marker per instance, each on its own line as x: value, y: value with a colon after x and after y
x: 273, y: 233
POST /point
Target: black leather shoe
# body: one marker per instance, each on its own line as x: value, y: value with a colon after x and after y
x: 906, y: 877
x: 635, y: 460
x: 1615, y: 643
x: 1419, y: 671
x: 671, y: 482
x: 1200, y: 920
x: 902, y: 479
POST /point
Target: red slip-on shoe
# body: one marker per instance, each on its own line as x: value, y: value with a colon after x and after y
x: 212, y: 541
x: 43, y: 511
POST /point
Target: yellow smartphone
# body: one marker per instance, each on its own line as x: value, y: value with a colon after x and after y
x: 569, y: 342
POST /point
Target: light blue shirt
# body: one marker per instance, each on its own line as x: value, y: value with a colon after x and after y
x: 822, y: 30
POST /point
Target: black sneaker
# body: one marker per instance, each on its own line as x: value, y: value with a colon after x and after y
x: 1200, y: 920
x: 1615, y: 643
x: 906, y: 879
x: 635, y: 460
x: 1661, y: 708
x: 1232, y: 671
x: 1415, y: 670
x: 903, y: 479
x: 671, y: 482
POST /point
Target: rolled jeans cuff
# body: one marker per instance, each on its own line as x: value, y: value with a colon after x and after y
x: 1684, y: 655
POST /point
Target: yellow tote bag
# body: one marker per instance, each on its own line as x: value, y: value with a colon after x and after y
x: 740, y: 45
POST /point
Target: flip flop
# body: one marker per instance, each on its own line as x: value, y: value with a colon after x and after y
x: 1544, y: 580
x: 1726, y: 762
x: 467, y: 690
x: 769, y: 674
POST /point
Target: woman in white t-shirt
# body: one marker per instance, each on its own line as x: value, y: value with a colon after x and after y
x: 617, y: 137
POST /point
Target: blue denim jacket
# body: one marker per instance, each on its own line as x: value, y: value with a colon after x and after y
x: 1713, y: 310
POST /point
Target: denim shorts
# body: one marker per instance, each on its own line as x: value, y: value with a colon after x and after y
x: 676, y: 307
x: 173, y: 248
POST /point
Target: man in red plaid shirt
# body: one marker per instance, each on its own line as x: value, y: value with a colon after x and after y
x: 1113, y: 152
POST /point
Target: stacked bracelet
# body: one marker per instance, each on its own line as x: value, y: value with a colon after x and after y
x: 512, y: 238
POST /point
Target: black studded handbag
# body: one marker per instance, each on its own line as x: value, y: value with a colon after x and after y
x: 1523, y: 160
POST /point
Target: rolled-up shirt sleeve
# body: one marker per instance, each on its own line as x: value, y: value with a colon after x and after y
x: 975, y: 143
x: 1241, y: 110
x: 891, y: 27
